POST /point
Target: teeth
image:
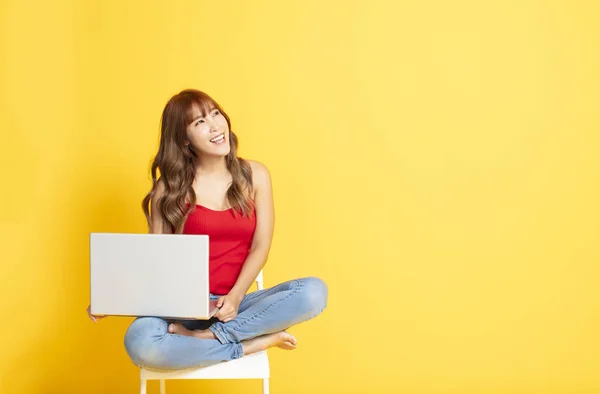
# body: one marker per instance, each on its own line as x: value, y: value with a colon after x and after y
x: 219, y: 138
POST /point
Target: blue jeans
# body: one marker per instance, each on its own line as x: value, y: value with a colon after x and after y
x: 149, y: 344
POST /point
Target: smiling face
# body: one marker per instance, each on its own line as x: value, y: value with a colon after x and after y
x: 208, y: 131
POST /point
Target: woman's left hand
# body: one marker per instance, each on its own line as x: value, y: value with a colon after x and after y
x: 228, y: 307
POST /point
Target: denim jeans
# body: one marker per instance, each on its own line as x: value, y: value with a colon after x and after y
x: 149, y: 344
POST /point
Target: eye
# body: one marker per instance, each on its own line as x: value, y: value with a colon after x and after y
x: 216, y: 112
x: 200, y: 121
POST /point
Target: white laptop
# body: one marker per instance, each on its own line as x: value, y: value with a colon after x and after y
x: 162, y: 275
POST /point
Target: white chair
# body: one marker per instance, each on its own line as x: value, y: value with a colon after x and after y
x: 254, y: 366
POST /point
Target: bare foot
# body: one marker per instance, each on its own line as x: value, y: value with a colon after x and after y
x: 281, y: 339
x: 179, y: 329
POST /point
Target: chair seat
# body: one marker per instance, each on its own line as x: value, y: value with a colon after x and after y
x: 253, y: 366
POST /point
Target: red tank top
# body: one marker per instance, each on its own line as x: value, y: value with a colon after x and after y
x: 230, y: 238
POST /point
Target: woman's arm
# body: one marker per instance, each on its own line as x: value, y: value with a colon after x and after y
x: 263, y: 234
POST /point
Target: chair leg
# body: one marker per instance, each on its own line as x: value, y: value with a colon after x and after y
x: 143, y: 386
x: 265, y: 386
x: 163, y: 389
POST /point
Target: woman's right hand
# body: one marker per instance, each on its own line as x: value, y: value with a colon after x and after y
x: 93, y: 317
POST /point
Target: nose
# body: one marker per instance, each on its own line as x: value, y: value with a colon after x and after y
x: 213, y: 124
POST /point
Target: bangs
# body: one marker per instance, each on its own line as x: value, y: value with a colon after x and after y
x: 200, y: 107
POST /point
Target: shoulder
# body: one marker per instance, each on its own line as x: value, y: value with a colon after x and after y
x: 261, y: 177
x: 260, y: 172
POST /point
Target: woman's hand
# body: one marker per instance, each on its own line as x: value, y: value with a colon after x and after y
x: 93, y: 317
x: 228, y: 307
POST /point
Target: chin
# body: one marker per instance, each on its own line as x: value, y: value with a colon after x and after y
x: 224, y: 152
x: 217, y: 150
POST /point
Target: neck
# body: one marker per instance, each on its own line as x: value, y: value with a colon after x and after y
x: 212, y: 165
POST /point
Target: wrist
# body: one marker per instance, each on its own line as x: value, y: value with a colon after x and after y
x: 237, y: 294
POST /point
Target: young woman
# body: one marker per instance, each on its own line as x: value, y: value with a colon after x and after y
x: 205, y: 188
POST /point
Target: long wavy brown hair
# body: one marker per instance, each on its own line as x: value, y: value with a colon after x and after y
x: 177, y: 163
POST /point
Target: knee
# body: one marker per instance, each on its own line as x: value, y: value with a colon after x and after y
x: 315, y: 294
x: 142, y: 338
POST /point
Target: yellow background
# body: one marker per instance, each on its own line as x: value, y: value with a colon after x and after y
x: 435, y: 162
